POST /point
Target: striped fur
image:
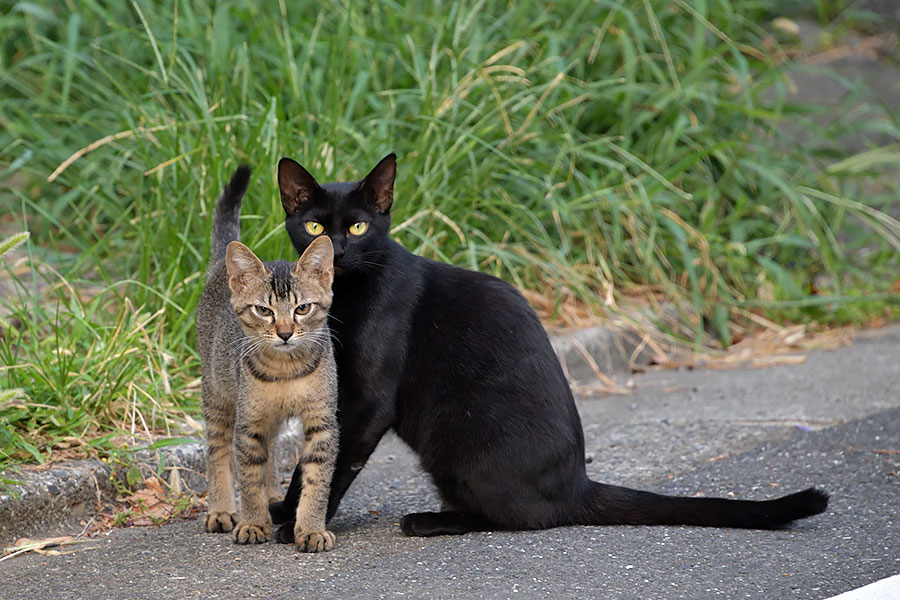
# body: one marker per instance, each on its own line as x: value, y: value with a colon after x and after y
x: 265, y: 346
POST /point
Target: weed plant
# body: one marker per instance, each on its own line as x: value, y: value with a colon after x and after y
x: 587, y: 150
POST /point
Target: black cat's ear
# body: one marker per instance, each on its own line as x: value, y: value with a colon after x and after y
x: 242, y: 266
x: 380, y: 183
x: 318, y: 259
x: 296, y: 184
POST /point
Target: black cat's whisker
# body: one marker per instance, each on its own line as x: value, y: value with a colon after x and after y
x: 368, y: 264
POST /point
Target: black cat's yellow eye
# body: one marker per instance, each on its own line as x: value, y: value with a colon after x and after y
x: 313, y: 228
x: 303, y: 309
x: 359, y: 228
x: 263, y: 311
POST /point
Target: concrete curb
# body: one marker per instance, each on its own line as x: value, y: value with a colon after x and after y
x: 585, y: 351
x: 58, y: 499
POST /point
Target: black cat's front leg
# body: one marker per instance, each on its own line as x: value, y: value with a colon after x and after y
x: 283, y: 511
x: 346, y: 471
x: 359, y: 436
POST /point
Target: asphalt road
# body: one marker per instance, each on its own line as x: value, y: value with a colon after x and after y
x: 833, y: 422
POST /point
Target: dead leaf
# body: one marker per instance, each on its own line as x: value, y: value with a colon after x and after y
x: 153, y: 505
x: 44, y: 543
x: 24, y: 545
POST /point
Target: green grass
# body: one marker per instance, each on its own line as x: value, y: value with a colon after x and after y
x: 585, y: 149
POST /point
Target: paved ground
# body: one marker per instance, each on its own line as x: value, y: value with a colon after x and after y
x: 753, y: 433
x: 833, y: 422
x: 852, y: 77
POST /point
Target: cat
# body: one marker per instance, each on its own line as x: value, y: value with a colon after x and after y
x: 459, y: 366
x: 266, y: 355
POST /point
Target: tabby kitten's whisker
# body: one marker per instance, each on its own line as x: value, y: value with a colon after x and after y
x: 249, y: 343
x: 251, y: 349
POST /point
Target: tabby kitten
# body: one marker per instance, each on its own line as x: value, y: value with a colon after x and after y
x: 458, y: 364
x: 264, y: 342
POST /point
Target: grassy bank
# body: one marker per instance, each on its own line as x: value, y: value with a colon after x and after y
x: 591, y: 150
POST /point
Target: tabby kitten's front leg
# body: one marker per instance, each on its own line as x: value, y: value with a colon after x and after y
x: 273, y: 487
x: 221, y: 514
x: 251, y: 444
x: 317, y: 465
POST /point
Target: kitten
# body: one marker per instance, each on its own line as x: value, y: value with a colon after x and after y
x: 458, y: 364
x: 266, y: 352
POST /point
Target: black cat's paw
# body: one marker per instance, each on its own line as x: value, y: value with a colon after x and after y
x: 419, y: 524
x: 407, y: 525
x: 285, y: 533
x: 452, y: 522
x: 280, y: 513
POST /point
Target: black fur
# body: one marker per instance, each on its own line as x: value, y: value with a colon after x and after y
x: 458, y: 364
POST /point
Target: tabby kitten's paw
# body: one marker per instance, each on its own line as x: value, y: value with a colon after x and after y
x: 284, y: 534
x: 219, y: 522
x: 314, y: 541
x: 251, y: 533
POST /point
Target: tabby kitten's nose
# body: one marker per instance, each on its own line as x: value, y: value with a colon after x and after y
x: 285, y: 335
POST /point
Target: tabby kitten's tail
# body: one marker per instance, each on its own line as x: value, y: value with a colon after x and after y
x: 226, y: 225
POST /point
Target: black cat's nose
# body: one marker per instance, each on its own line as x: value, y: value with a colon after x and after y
x: 285, y: 335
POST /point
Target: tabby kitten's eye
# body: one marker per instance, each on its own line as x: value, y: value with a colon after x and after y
x: 263, y: 311
x: 303, y: 309
x: 313, y: 228
x: 359, y: 228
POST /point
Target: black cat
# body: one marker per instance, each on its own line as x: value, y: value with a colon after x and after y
x: 458, y: 364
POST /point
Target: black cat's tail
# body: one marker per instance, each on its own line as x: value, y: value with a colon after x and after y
x: 226, y: 226
x: 613, y: 505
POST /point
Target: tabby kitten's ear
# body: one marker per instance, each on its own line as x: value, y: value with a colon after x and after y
x: 318, y: 259
x: 296, y: 184
x: 243, y: 267
x: 380, y: 183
